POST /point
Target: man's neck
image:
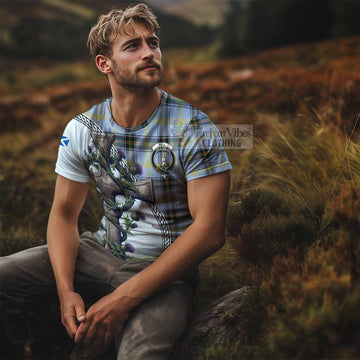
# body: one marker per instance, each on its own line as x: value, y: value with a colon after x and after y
x: 131, y: 108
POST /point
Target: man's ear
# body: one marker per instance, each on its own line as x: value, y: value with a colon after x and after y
x: 103, y: 63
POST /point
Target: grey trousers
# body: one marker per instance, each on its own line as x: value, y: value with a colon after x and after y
x: 152, y: 328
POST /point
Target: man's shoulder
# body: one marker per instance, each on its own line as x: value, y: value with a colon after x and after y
x: 186, y: 110
x: 98, y: 112
x: 95, y: 117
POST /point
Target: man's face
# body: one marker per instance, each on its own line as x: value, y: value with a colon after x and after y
x: 136, y: 59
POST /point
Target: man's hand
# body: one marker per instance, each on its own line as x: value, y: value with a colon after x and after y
x: 72, y: 312
x: 104, y: 319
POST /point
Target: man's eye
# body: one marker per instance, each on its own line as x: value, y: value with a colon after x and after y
x: 131, y: 47
x: 153, y: 44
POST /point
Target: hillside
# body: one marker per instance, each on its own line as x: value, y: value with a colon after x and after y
x: 13, y: 12
x: 231, y: 91
x: 293, y: 223
x: 58, y: 29
x: 202, y: 12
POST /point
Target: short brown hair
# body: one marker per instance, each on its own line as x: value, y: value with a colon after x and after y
x: 108, y: 26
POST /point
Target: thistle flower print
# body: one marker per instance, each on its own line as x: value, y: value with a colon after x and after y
x: 116, y: 190
x: 139, y: 170
x: 121, y: 154
x: 129, y: 248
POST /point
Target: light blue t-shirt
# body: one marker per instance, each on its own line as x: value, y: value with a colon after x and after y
x: 141, y: 173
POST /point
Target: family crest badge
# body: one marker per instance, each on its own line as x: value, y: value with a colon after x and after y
x: 162, y: 158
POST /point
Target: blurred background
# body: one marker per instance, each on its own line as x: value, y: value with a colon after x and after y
x: 290, y: 68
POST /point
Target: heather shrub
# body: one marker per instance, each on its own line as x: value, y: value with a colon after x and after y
x: 313, y: 301
x: 12, y: 241
x: 256, y: 203
x: 314, y: 311
x: 267, y: 224
x: 25, y: 205
x: 233, y: 351
x: 264, y: 238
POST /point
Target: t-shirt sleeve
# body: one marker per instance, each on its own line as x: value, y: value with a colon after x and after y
x: 72, y: 153
x: 201, y: 149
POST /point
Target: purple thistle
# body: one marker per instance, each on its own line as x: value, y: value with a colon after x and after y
x: 138, y: 168
x: 89, y: 149
x: 133, y: 225
x: 129, y: 248
x: 121, y: 154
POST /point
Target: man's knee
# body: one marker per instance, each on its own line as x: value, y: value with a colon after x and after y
x: 26, y: 268
x: 157, y: 323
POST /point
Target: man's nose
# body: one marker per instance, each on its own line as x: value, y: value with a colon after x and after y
x: 147, y: 52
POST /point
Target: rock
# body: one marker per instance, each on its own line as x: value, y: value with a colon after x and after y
x: 227, y: 319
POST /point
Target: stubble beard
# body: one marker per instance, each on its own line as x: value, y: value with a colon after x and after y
x: 132, y: 81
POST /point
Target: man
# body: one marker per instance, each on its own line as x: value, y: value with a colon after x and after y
x: 164, y: 194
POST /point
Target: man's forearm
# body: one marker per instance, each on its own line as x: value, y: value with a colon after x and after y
x: 62, y: 231
x: 63, y: 244
x: 195, y: 244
